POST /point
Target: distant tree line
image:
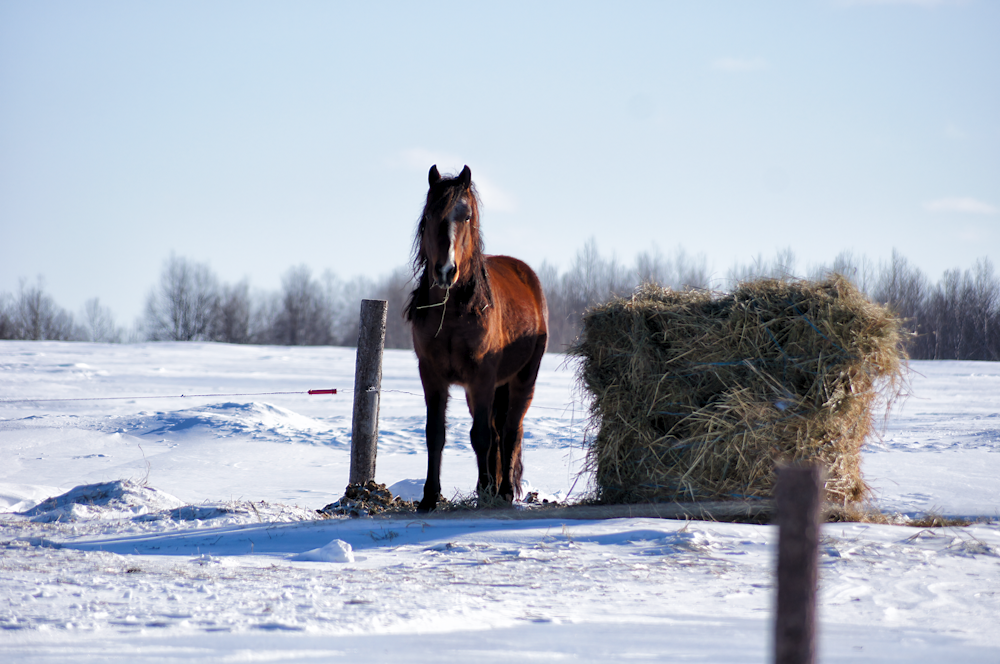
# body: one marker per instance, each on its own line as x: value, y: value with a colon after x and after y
x: 190, y: 304
x: 956, y: 318
x: 592, y: 279
x: 31, y: 313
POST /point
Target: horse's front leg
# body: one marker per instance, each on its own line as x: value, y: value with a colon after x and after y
x: 436, y: 398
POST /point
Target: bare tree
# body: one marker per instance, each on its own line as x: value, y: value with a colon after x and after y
x: 265, y: 312
x: 783, y: 266
x: 691, y: 271
x: 653, y: 268
x: 859, y: 270
x: 305, y: 318
x: 183, y: 307
x: 8, y: 328
x: 903, y: 289
x: 963, y: 315
x: 900, y: 286
x: 394, y: 289
x: 346, y: 323
x: 346, y: 297
x: 232, y: 314
x: 34, y: 315
x: 563, y: 324
x: 981, y: 305
x: 681, y: 271
x: 944, y: 319
x: 590, y: 280
x: 100, y: 323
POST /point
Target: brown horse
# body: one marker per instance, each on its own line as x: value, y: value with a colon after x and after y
x: 480, y: 322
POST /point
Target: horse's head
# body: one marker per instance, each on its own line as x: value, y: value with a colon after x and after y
x: 448, y: 239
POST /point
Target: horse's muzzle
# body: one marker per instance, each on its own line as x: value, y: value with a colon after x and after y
x: 444, y: 276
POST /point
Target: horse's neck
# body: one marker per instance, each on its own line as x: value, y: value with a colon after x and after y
x: 459, y: 297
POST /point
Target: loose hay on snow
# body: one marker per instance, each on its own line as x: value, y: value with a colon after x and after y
x: 697, y: 396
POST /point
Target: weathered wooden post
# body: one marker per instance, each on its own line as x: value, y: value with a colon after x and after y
x: 798, y: 494
x: 367, y: 390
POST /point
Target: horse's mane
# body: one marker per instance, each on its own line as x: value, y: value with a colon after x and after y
x: 472, y: 292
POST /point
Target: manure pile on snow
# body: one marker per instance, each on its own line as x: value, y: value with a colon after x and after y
x: 367, y: 499
x: 698, y: 396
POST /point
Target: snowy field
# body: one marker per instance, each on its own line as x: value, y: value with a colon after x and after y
x: 193, y: 536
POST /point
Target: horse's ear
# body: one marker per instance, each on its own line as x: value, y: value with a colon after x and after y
x: 465, y: 177
x: 433, y: 176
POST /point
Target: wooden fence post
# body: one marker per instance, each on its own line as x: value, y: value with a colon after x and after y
x: 798, y: 496
x: 367, y: 390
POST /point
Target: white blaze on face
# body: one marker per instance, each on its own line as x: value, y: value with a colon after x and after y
x: 458, y: 215
x: 450, y: 263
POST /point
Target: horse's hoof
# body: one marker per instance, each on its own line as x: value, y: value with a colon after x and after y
x: 426, y: 506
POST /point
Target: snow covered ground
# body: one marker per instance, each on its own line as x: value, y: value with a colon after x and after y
x: 194, y: 538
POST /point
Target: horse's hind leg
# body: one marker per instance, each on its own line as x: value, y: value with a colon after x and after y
x: 501, y: 406
x: 522, y: 389
x: 484, y: 440
x: 510, y: 445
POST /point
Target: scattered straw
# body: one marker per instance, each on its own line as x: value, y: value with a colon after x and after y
x: 698, y: 396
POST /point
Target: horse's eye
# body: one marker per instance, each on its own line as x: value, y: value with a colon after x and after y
x: 468, y: 219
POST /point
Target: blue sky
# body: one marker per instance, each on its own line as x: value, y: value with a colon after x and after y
x: 260, y: 136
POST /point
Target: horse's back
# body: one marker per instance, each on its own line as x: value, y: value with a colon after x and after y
x: 517, y: 285
x: 521, y: 327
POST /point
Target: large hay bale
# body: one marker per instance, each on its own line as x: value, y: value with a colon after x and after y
x: 698, y: 396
